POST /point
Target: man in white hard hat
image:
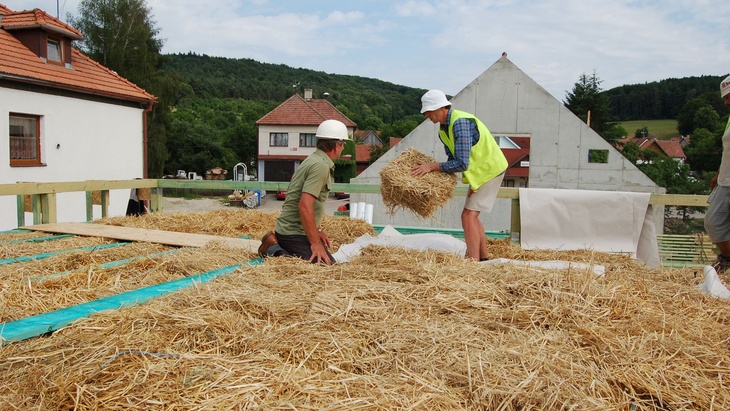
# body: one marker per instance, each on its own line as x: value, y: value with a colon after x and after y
x: 717, y: 218
x: 298, y: 230
x: 471, y: 150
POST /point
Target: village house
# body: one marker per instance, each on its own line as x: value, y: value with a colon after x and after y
x: 63, y: 116
x: 287, y: 134
x: 672, y: 148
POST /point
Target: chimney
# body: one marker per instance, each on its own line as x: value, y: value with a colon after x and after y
x: 307, y: 93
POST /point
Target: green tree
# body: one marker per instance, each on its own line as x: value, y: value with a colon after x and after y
x: 706, y: 117
x: 587, y: 102
x: 121, y: 35
x: 686, y: 117
x: 705, y: 151
x: 632, y: 152
x: 641, y: 133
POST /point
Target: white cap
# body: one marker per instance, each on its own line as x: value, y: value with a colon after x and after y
x: 332, y: 130
x: 433, y: 100
x: 725, y: 87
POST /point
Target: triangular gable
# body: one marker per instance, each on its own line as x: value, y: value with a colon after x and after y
x: 510, y: 102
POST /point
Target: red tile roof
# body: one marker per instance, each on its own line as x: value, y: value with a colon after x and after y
x: 37, y: 18
x: 297, y: 111
x: 362, y: 153
x: 19, y: 64
x: 671, y: 148
x: 394, y: 141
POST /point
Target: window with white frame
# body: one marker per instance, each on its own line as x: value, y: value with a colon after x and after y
x: 279, y: 139
x: 55, y: 50
x: 307, y: 140
x: 25, y: 139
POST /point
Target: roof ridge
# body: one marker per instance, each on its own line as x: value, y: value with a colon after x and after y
x: 44, y: 20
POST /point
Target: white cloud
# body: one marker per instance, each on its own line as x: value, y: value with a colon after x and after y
x: 447, y: 43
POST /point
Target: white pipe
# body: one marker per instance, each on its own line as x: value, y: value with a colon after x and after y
x: 369, y: 213
x: 361, y: 210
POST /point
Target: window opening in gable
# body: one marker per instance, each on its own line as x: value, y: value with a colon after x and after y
x: 307, y: 140
x: 279, y: 139
x: 597, y: 156
x: 25, y: 140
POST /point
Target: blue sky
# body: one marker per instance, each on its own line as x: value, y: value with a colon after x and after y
x: 446, y: 44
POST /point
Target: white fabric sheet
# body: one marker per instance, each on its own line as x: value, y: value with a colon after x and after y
x: 391, y: 237
x: 608, y: 221
x: 713, y: 285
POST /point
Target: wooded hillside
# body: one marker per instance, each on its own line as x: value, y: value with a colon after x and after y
x: 661, y: 99
x: 212, y: 121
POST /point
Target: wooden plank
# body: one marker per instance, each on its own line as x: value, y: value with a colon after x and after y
x: 63, y: 187
x: 144, y: 235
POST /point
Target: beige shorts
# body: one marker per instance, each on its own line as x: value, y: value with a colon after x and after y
x: 483, y: 199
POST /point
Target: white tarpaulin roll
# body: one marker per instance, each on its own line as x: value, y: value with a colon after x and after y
x: 608, y: 221
x: 391, y: 237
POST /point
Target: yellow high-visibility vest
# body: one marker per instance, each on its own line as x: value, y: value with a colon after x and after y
x: 486, y: 159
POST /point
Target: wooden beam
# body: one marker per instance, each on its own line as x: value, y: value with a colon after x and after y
x: 62, y: 187
x: 144, y: 235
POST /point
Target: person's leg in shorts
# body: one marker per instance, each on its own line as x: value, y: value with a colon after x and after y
x: 480, y: 200
x: 298, y: 245
x: 717, y: 225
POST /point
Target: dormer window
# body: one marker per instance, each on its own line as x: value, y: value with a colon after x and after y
x: 55, y: 50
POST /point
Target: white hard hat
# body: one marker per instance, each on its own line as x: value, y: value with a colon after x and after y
x: 725, y: 87
x: 433, y: 100
x: 332, y: 130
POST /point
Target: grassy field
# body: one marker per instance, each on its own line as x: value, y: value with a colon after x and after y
x: 662, y: 129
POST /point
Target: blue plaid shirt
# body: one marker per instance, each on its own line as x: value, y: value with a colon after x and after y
x: 466, y: 135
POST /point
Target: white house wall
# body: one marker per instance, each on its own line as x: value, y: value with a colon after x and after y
x: 80, y: 140
x: 292, y: 149
x: 510, y: 102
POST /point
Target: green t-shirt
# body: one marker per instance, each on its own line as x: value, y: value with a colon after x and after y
x: 315, y: 176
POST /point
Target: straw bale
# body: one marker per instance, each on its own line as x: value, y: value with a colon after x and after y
x: 12, y: 236
x: 393, y: 329
x: 34, y: 290
x: 422, y: 195
x: 32, y: 248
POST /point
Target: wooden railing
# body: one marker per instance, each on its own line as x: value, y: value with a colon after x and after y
x: 43, y: 195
